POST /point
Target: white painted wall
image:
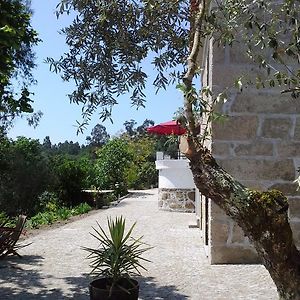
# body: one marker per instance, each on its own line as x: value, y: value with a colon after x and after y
x: 174, y: 173
x: 197, y: 205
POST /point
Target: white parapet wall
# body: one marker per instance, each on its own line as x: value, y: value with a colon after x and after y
x: 174, y: 173
x: 176, y: 186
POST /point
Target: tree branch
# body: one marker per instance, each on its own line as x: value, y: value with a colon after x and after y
x: 192, y: 64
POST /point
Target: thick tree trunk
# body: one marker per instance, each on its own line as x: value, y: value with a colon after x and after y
x: 262, y: 216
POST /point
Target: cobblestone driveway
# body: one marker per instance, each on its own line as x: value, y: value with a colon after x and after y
x: 54, y: 266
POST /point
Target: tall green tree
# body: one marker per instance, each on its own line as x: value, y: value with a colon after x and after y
x: 17, y: 39
x: 109, y: 40
x: 133, y: 132
x: 24, y: 174
x: 70, y: 177
x: 141, y: 172
x: 113, y: 161
x: 98, y: 137
x: 142, y: 129
x: 47, y: 145
x: 129, y: 127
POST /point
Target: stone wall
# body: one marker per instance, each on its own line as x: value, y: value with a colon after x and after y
x: 181, y: 200
x: 258, y: 144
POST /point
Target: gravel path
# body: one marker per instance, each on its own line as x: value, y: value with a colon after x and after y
x: 54, y: 266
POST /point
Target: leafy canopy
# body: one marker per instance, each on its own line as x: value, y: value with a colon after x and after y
x: 99, y: 136
x: 270, y: 34
x: 109, y: 40
x: 17, y: 39
x: 112, y: 163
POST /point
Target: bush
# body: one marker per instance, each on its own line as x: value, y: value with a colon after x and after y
x: 82, y: 208
x: 141, y: 172
x: 63, y: 213
x: 48, y: 201
x: 112, y: 163
x: 42, y: 218
x: 70, y: 179
x: 50, y: 216
x: 24, y: 175
x: 147, y: 176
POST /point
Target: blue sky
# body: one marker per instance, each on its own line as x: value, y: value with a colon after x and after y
x: 50, y: 94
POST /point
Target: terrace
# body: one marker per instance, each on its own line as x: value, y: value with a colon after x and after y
x: 55, y: 267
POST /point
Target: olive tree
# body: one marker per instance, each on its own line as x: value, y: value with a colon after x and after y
x: 108, y: 43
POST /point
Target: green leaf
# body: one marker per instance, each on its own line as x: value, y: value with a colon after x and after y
x: 117, y: 256
x: 181, y: 87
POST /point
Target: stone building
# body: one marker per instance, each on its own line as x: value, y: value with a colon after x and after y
x: 259, y: 144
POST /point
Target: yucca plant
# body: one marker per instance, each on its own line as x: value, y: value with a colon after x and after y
x: 118, y: 255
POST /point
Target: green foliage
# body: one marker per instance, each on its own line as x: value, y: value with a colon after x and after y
x: 136, y: 132
x: 42, y: 218
x: 118, y: 255
x: 17, y: 39
x: 67, y: 148
x: 35, y: 178
x: 71, y: 177
x: 5, y: 220
x: 52, y: 214
x: 270, y: 33
x: 64, y: 213
x: 80, y: 209
x: 141, y: 172
x: 112, y: 163
x: 32, y: 179
x: 47, y: 145
x: 143, y: 176
x: 8, y: 221
x: 109, y: 40
x: 24, y: 175
x: 118, y: 36
x: 48, y: 201
x: 99, y: 136
x: 101, y: 199
x: 129, y: 127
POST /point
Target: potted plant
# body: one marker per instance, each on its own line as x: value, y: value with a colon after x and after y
x: 115, y: 261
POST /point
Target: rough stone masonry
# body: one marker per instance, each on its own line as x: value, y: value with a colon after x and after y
x: 258, y: 143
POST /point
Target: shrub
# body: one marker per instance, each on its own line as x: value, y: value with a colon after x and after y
x: 70, y: 176
x: 147, y: 176
x: 63, y: 213
x: 24, y: 175
x: 48, y: 201
x: 42, y: 218
x: 48, y: 217
x: 112, y: 163
x: 141, y: 172
x: 82, y: 208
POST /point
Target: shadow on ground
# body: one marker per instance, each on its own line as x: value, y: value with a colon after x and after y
x: 18, y: 282
x: 150, y: 290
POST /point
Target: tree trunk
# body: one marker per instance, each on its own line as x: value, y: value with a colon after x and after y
x: 262, y: 215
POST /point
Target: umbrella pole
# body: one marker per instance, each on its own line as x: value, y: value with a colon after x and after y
x: 178, y: 151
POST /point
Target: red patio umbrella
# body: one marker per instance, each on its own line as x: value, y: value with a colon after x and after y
x: 167, y: 128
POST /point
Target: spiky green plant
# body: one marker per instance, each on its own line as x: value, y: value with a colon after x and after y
x: 118, y: 255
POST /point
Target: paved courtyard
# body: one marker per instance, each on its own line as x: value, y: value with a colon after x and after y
x: 54, y: 266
